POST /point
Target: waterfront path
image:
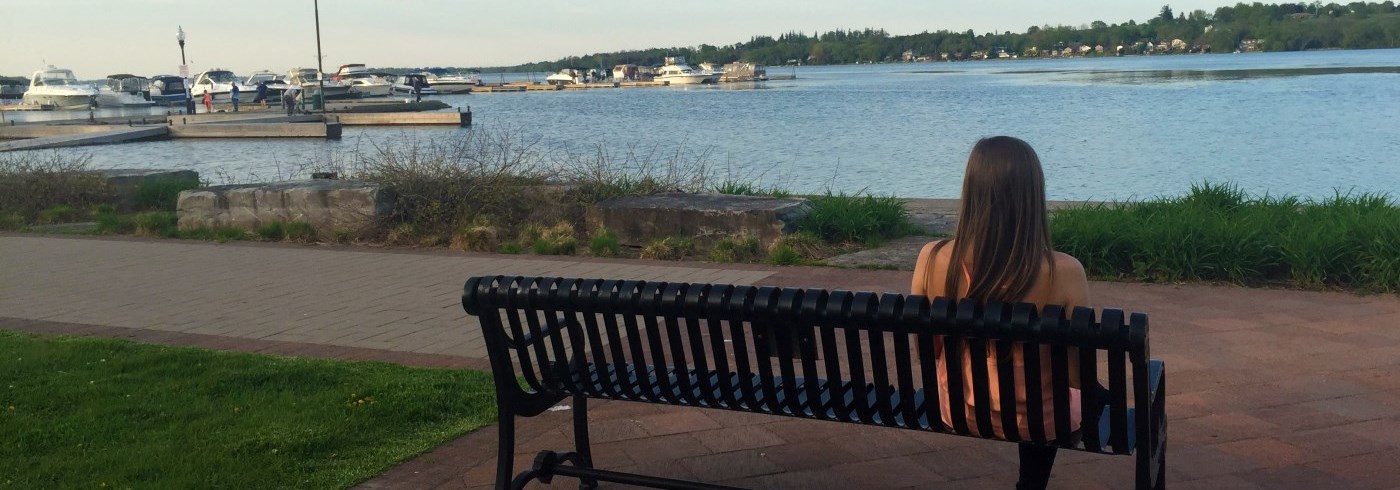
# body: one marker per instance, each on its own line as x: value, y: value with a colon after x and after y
x: 1267, y: 388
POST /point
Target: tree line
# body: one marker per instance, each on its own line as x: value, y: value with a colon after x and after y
x: 1267, y: 27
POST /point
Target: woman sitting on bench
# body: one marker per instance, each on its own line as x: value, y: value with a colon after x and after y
x: 1002, y: 253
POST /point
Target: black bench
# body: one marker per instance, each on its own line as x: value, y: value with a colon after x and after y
x: 853, y: 357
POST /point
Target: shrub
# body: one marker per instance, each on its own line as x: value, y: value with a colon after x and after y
x: 114, y: 224
x: 556, y: 240
x: 61, y: 213
x: 402, y: 234
x: 11, y: 221
x: 161, y: 193
x: 271, y: 231
x: 669, y: 248
x: 32, y: 182
x: 856, y: 218
x: 743, y: 248
x: 604, y: 244
x: 479, y: 236
x: 155, y: 223
x: 1218, y: 233
x: 299, y: 231
x: 783, y: 255
x: 219, y: 234
x: 512, y: 248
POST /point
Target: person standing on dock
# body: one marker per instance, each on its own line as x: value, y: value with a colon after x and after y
x: 233, y: 95
x: 261, y: 98
x: 289, y: 99
x: 417, y: 89
x: 208, y: 102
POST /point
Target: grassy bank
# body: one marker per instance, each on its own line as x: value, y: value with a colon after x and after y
x: 1219, y: 233
x: 492, y: 191
x: 92, y: 413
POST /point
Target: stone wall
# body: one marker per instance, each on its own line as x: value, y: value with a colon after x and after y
x: 125, y: 181
x: 327, y: 205
x: 706, y: 218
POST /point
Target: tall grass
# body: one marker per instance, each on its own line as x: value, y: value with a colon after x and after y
x: 33, y: 182
x: 865, y: 218
x: 1218, y: 232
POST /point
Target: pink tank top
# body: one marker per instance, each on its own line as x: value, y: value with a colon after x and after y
x: 993, y: 378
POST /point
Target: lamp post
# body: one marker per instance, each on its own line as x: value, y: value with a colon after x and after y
x: 321, y: 72
x: 185, y: 70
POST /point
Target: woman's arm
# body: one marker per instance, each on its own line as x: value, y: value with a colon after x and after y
x: 919, y: 285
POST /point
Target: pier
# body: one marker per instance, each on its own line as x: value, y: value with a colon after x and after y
x: 252, y: 123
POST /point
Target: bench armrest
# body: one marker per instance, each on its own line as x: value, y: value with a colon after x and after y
x: 1155, y: 372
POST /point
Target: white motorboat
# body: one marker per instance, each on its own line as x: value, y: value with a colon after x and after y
x: 275, y: 85
x: 311, y: 81
x: 125, y: 90
x: 167, y: 89
x: 219, y: 83
x: 57, y: 87
x: 453, y: 84
x: 362, y: 82
x: 403, y: 85
x: 676, y: 72
x: 567, y: 76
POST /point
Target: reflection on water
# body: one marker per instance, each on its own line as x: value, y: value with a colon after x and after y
x: 1297, y: 123
x: 1171, y: 76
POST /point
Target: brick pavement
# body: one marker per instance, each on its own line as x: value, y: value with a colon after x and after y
x: 1267, y: 388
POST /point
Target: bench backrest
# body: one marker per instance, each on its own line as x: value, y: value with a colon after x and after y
x: 847, y: 356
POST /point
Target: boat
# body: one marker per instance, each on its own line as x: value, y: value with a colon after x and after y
x: 567, y: 76
x: 125, y: 90
x: 167, y: 89
x: 403, y: 85
x: 219, y: 83
x: 677, y: 72
x: 453, y: 84
x: 362, y: 82
x: 57, y: 87
x: 311, y: 82
x: 275, y: 85
x: 12, y: 88
x: 743, y: 72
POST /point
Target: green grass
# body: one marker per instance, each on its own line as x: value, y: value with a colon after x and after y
x: 1219, y: 233
x: 604, y: 244
x: 740, y: 249
x: 856, y: 218
x: 745, y: 188
x: 92, y: 413
x: 160, y: 194
x: 669, y: 248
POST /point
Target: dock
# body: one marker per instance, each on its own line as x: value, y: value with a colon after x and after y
x: 244, y: 124
x: 120, y: 134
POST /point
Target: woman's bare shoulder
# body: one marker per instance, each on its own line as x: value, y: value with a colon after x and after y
x: 1066, y: 264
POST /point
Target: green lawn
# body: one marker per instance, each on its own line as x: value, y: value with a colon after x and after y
x: 96, y: 413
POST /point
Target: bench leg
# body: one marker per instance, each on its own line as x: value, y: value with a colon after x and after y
x: 581, y: 444
x: 505, y: 448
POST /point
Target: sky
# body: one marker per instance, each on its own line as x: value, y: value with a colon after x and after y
x: 98, y: 38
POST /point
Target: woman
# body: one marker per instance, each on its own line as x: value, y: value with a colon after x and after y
x: 1002, y: 253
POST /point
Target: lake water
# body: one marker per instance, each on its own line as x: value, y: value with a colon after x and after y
x: 1303, y: 124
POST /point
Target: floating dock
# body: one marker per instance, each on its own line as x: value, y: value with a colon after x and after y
x: 120, y: 134
x: 243, y: 124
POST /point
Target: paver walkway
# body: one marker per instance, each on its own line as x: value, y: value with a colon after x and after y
x: 1267, y: 388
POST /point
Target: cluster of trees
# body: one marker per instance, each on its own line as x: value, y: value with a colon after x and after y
x: 1276, y: 27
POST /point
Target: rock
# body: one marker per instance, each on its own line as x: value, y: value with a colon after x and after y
x: 706, y: 218
x: 125, y: 181
x: 327, y: 205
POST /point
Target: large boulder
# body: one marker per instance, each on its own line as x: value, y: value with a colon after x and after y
x: 706, y: 218
x: 125, y: 182
x: 327, y: 205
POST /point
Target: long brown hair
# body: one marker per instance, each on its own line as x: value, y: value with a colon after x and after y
x: 1002, y: 222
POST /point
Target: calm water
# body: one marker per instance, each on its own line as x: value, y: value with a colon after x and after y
x: 1285, y: 123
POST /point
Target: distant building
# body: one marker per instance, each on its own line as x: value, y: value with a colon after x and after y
x: 1178, y: 45
x: 1250, y: 45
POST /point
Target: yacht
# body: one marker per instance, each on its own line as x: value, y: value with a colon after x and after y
x: 453, y: 84
x: 362, y: 82
x: 125, y: 90
x: 275, y: 85
x: 168, y: 89
x: 219, y: 83
x: 676, y: 72
x: 403, y: 85
x: 567, y: 76
x: 311, y: 80
x: 58, y: 87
